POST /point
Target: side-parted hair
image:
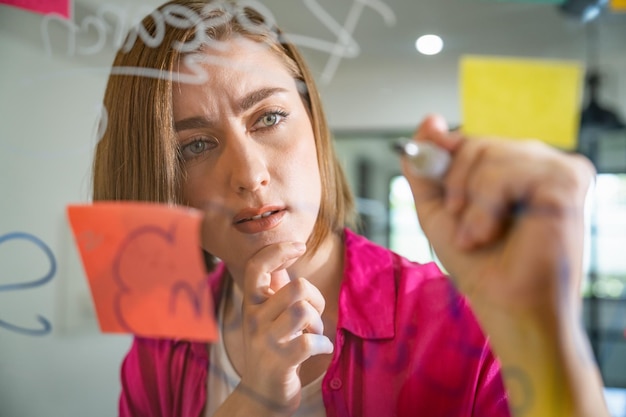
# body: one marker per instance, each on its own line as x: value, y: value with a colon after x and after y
x: 138, y: 157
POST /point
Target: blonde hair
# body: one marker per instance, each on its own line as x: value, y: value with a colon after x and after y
x: 138, y: 157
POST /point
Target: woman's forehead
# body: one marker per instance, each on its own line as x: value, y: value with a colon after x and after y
x: 231, y: 72
x: 236, y: 60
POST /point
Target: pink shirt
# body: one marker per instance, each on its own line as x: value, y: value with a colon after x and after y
x: 406, y: 345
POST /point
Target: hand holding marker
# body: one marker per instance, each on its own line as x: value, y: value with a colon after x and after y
x: 427, y: 159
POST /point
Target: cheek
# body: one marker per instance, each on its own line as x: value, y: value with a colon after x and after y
x: 305, y: 170
x: 191, y: 191
x: 198, y: 192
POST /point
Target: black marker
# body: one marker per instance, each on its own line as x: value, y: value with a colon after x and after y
x: 427, y: 159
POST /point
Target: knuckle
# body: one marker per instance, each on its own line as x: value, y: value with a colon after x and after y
x: 252, y: 266
x: 299, y: 310
x: 252, y: 323
x: 271, y: 342
x: 299, y: 286
x: 486, y: 231
x: 576, y: 172
x: 586, y: 167
x: 536, y: 145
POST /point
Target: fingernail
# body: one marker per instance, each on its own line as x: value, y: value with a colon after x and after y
x: 325, y: 345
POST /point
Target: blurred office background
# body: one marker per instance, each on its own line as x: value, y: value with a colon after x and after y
x: 375, y: 87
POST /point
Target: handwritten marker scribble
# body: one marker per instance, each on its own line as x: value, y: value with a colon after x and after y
x: 46, y: 326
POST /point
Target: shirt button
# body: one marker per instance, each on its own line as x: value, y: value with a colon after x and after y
x: 335, y: 383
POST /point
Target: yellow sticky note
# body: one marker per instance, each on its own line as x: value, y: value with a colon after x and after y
x: 518, y: 98
x: 618, y: 5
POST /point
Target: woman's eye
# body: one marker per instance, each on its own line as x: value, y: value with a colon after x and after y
x: 196, y: 148
x: 271, y: 119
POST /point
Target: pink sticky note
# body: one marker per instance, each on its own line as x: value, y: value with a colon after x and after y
x: 145, y: 269
x: 61, y: 7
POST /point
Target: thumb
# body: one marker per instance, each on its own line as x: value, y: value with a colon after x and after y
x: 433, y: 130
x: 429, y: 193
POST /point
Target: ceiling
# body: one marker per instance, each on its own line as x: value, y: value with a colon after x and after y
x: 385, y: 30
x: 352, y: 45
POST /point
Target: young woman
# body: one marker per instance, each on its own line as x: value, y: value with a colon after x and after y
x: 223, y: 115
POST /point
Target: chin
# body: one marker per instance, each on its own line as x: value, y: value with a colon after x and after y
x: 260, y: 240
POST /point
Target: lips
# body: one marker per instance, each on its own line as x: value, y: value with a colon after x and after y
x: 257, y: 216
x: 258, y: 220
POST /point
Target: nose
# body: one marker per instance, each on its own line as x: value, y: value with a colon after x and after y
x: 247, y: 165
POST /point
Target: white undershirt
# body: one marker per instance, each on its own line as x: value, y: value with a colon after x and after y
x: 223, y: 377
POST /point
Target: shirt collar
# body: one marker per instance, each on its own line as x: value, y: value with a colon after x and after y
x: 367, y: 299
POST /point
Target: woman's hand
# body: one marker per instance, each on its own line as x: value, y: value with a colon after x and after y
x: 506, y: 221
x: 282, y: 327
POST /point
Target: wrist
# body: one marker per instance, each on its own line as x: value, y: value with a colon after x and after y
x: 547, y: 365
x: 244, y: 401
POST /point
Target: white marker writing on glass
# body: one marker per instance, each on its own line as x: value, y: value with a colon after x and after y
x: 426, y: 158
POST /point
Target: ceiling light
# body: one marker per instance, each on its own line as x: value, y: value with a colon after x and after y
x: 429, y: 44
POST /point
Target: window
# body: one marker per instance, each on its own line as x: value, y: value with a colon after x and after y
x: 606, y: 237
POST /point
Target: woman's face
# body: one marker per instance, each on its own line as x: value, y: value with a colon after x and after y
x: 250, y: 154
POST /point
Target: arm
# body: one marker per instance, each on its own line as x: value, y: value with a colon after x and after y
x: 520, y: 270
x: 282, y: 327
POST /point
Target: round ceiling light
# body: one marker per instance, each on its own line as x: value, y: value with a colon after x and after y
x: 429, y: 44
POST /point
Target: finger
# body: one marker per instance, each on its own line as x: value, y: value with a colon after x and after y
x: 502, y: 178
x: 295, y: 291
x: 483, y: 221
x: 427, y: 190
x: 306, y: 345
x: 268, y: 260
x: 463, y: 164
x: 278, y: 279
x: 433, y: 129
x: 298, y: 317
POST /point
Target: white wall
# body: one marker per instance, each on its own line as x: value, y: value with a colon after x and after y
x: 48, y: 116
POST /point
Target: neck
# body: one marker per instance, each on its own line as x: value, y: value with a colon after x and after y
x: 324, y: 268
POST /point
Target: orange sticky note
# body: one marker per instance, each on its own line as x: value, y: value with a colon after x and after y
x: 519, y: 98
x: 618, y: 5
x: 145, y: 269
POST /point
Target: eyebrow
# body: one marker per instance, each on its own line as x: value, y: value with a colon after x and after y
x: 256, y: 96
x: 249, y: 100
x: 196, y: 122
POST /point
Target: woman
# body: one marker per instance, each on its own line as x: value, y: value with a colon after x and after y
x: 315, y: 320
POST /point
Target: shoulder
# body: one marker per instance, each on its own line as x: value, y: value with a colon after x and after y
x: 161, y: 351
x: 149, y: 359
x: 165, y: 374
x: 157, y: 372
